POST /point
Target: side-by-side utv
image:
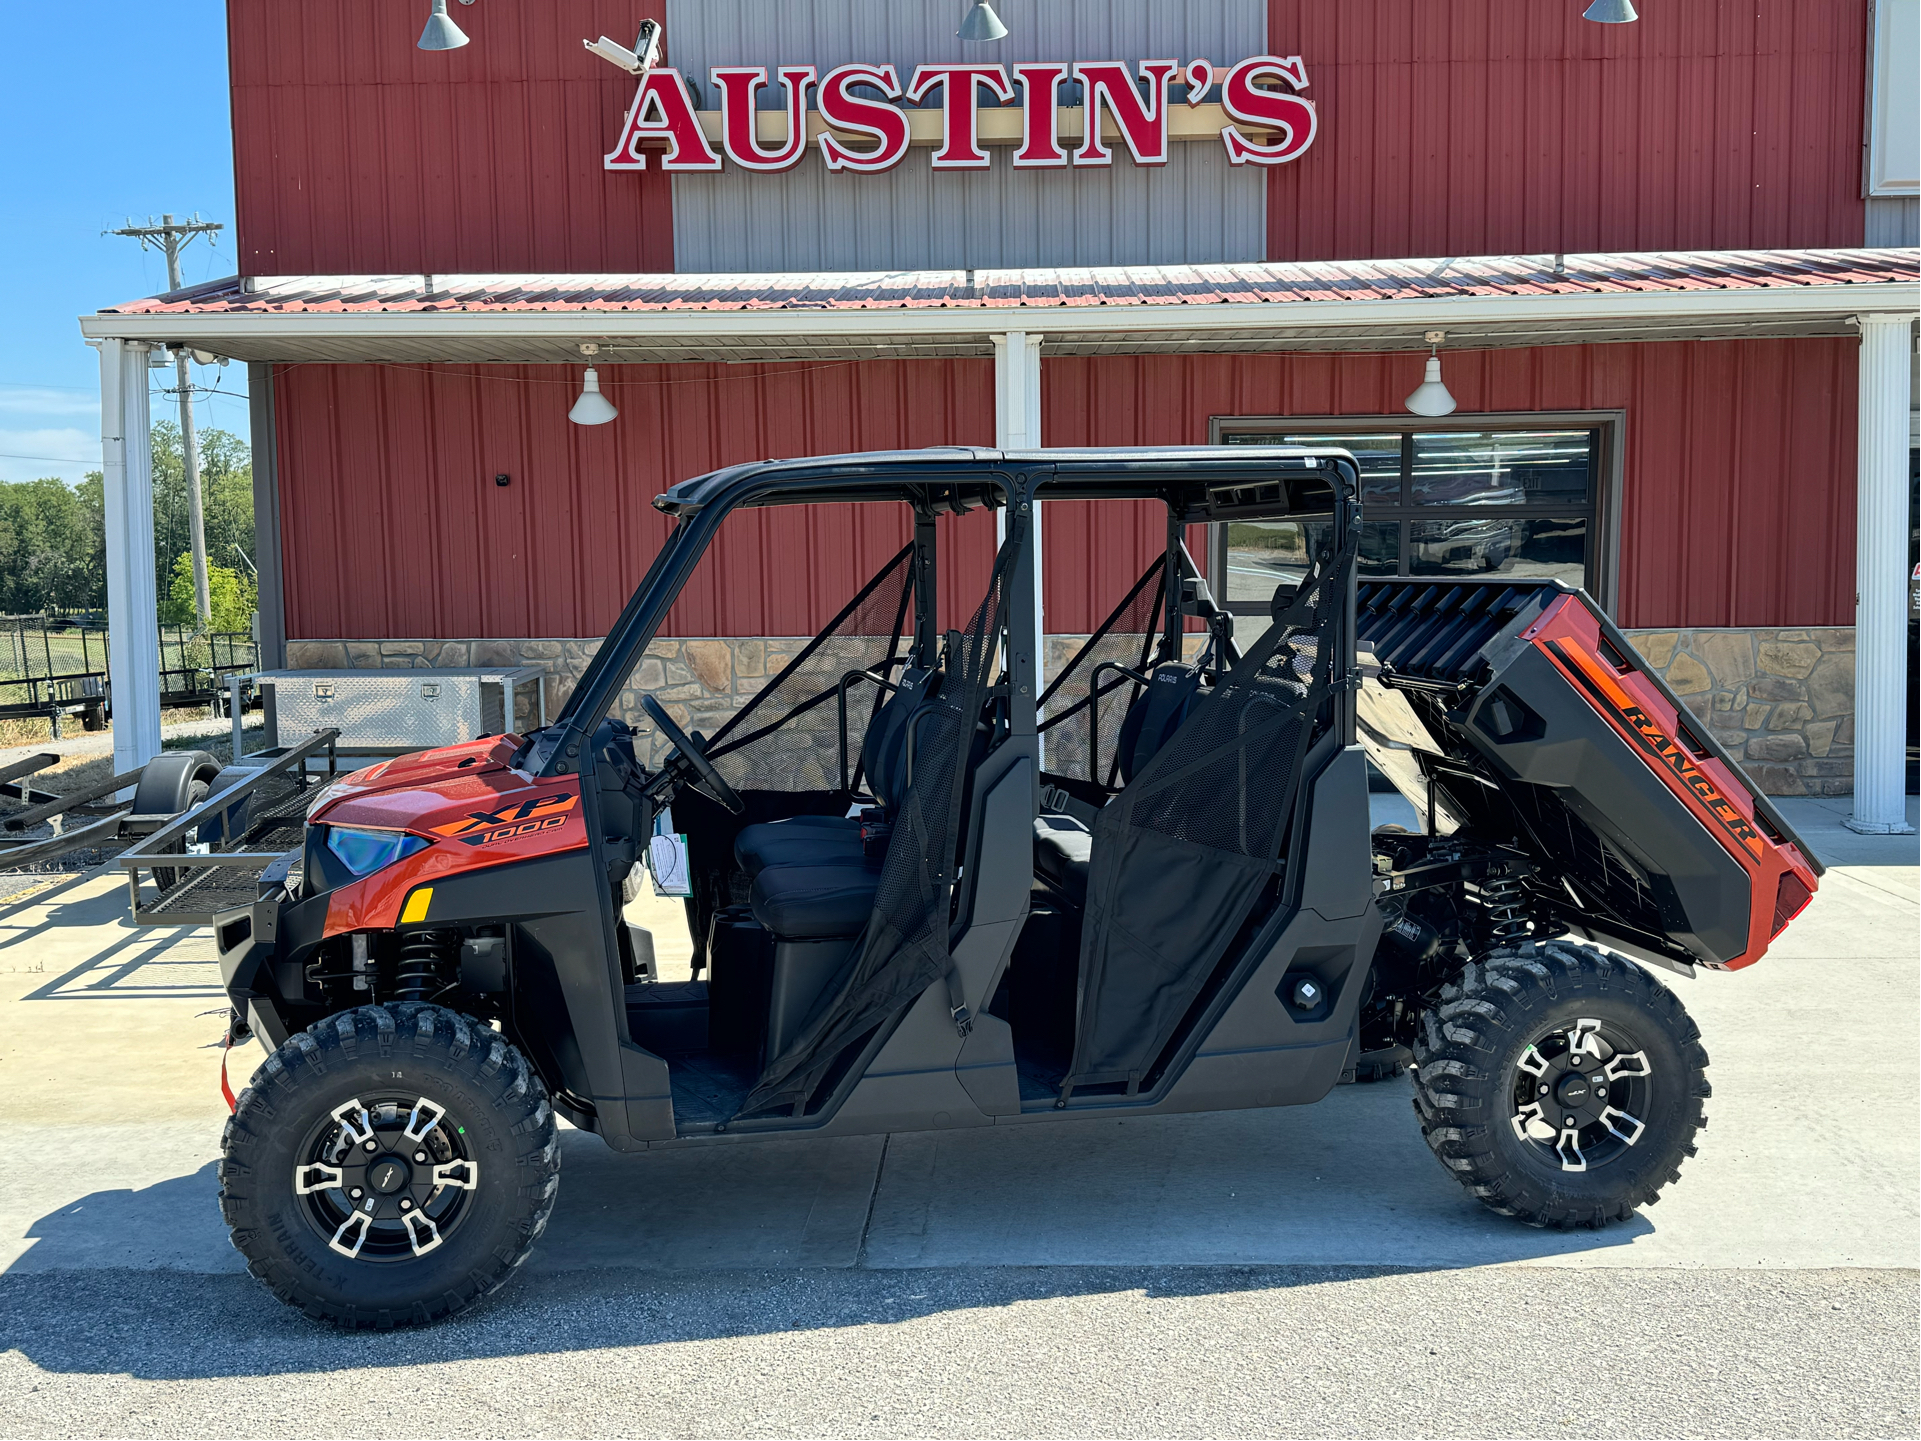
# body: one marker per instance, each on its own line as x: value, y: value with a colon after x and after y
x: 932, y: 887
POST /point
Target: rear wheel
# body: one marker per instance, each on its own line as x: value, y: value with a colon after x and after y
x: 1561, y: 1085
x: 390, y: 1166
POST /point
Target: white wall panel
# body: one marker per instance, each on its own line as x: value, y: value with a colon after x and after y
x: 1196, y: 208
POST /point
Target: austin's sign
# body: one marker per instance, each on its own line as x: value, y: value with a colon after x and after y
x: 858, y: 124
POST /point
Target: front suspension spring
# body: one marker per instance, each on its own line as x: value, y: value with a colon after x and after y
x: 426, y: 964
x: 1504, y: 899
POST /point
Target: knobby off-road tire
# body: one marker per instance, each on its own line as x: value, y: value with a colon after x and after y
x: 444, y: 1100
x: 1474, y: 1073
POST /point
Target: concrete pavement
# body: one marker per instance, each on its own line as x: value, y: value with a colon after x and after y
x: 1038, y: 1238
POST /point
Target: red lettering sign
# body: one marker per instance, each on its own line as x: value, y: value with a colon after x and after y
x: 662, y: 110
x: 883, y: 123
x: 960, y: 149
x: 1262, y: 119
x: 1143, y: 122
x: 1248, y: 103
x: 738, y: 86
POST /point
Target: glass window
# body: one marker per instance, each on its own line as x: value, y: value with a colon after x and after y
x: 1434, y: 502
x: 1505, y: 468
x: 1269, y: 555
x: 1379, y: 457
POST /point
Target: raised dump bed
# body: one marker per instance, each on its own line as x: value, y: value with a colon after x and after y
x: 1518, y: 714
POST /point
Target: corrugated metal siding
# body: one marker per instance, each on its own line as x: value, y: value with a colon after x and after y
x: 1738, y: 487
x: 1489, y: 127
x: 1894, y: 220
x: 393, y: 526
x: 355, y: 152
x: 1197, y: 208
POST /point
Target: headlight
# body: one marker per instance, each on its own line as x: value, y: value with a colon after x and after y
x: 364, y: 852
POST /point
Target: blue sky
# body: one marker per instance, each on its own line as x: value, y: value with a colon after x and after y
x: 112, y: 110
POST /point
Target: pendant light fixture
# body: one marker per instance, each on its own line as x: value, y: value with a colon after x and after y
x: 1611, y: 12
x: 981, y: 23
x: 441, y: 32
x: 592, y: 408
x: 1431, y: 397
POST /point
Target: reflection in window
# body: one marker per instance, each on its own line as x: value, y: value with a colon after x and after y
x: 1525, y: 467
x: 1434, y: 502
x: 1553, y: 549
x: 1379, y: 457
x: 1269, y: 555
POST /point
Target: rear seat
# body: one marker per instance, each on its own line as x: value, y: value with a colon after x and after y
x: 1063, y: 846
x: 835, y: 840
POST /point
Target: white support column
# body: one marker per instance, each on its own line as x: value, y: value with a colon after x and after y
x: 1017, y: 426
x: 1881, y: 562
x: 133, y: 620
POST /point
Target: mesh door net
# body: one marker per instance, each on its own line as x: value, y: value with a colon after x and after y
x: 788, y: 737
x: 905, y: 946
x: 1183, y: 853
x: 1082, y: 728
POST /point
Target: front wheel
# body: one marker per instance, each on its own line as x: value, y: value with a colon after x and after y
x: 1561, y: 1085
x: 389, y: 1166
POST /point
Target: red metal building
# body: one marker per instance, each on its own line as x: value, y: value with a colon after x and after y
x: 1661, y: 271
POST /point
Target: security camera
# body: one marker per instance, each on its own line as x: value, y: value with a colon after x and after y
x: 638, y: 61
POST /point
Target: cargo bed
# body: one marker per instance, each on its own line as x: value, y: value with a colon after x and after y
x: 1515, y: 714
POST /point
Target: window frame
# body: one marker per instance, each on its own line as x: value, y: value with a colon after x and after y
x: 1603, y: 507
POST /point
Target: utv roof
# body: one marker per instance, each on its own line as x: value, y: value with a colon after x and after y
x: 1202, y: 481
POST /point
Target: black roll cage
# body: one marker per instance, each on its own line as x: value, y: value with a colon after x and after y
x: 1199, y: 485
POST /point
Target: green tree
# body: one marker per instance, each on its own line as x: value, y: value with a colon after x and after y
x: 226, y: 497
x: 52, y: 545
x: 231, y: 593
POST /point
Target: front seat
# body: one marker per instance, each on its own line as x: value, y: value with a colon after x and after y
x: 836, y: 840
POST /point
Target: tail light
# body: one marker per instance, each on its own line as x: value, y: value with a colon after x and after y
x: 1790, y: 898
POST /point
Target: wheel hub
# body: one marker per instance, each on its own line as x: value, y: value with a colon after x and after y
x: 388, y: 1175
x: 1581, y: 1093
x: 386, y: 1181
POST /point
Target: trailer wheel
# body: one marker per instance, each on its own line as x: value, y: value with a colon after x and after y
x: 1561, y: 1085
x: 389, y: 1166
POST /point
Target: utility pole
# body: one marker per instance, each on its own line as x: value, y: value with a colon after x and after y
x: 172, y: 237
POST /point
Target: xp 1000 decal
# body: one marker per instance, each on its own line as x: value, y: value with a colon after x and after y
x: 541, y: 813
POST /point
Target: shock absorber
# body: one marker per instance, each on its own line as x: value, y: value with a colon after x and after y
x: 426, y: 964
x: 1504, y: 899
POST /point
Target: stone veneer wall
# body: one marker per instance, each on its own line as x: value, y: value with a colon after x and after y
x: 1780, y: 700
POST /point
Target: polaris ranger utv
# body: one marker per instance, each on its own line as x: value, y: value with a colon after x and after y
x: 928, y: 892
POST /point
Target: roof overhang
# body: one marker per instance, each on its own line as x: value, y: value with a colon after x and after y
x: 456, y: 319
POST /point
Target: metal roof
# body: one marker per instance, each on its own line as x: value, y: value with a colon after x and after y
x: 1481, y: 301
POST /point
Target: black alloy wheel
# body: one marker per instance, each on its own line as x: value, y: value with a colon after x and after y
x: 387, y: 1178
x: 1560, y: 1084
x: 389, y: 1166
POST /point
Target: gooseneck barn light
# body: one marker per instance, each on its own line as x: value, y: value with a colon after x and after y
x: 1610, y: 12
x: 593, y: 408
x: 441, y: 32
x: 1431, y: 397
x: 981, y: 23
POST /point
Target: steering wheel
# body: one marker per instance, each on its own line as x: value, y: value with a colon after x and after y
x: 684, y: 743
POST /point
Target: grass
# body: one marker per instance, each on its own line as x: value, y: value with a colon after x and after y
x: 73, y: 772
